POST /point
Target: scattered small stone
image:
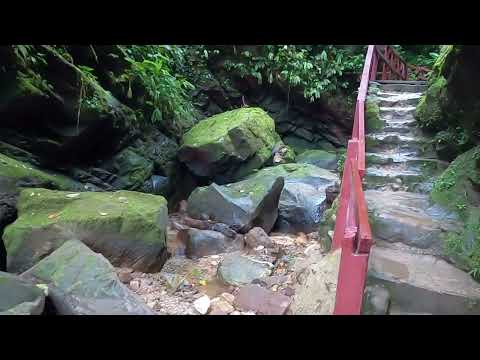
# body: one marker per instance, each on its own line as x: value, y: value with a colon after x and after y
x: 151, y: 304
x: 288, y: 291
x: 236, y: 269
x: 261, y: 300
x: 228, y: 297
x: 202, y: 304
x: 258, y: 237
x: 221, y: 305
x: 135, y: 285
x: 125, y: 277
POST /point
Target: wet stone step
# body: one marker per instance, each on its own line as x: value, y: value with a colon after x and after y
x: 412, y: 88
x: 409, y: 218
x: 398, y: 101
x: 400, y: 129
x: 397, y: 110
x: 402, y: 179
x: 388, y: 94
x: 423, y: 284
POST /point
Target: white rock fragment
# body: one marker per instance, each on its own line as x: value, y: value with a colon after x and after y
x: 202, y: 304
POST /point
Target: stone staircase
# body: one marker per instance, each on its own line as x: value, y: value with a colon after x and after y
x: 408, y: 258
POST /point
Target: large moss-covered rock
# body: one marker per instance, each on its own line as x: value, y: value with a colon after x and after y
x: 81, y: 282
x: 19, y: 296
x: 241, y: 205
x: 15, y: 173
x: 303, y: 198
x: 128, y: 228
x: 228, y: 146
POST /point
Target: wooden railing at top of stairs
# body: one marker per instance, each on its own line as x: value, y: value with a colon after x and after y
x: 352, y: 230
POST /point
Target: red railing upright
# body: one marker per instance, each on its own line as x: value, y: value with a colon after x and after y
x: 352, y: 230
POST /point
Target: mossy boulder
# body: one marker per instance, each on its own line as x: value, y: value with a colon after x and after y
x: 128, y: 228
x: 132, y: 169
x: 458, y: 187
x: 451, y: 107
x: 82, y: 282
x: 14, y: 173
x: 303, y: 198
x: 19, y: 296
x: 320, y: 158
x: 228, y: 146
x: 242, y: 205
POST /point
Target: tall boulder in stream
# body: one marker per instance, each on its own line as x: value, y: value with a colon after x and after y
x: 228, y: 146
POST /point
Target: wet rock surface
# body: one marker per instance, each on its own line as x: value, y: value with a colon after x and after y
x: 303, y: 199
x: 242, y: 205
x: 19, y: 296
x: 96, y: 290
x: 182, y: 281
x: 236, y: 269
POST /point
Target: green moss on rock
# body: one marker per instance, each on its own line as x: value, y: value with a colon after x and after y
x: 458, y: 189
x: 18, y: 170
x: 230, y: 145
x: 128, y: 228
x: 458, y: 186
x: 429, y: 109
x: 372, y: 116
x: 327, y: 225
x: 320, y: 158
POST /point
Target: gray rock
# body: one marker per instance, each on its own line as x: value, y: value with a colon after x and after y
x: 20, y: 297
x: 317, y: 285
x: 237, y: 270
x: 81, y: 282
x: 241, y: 205
x: 258, y: 237
x: 409, y: 218
x: 303, y: 199
x: 200, y: 243
x: 261, y: 300
x: 322, y: 159
x: 420, y: 283
x: 376, y: 300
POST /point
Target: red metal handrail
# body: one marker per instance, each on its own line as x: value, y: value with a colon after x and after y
x: 352, y: 230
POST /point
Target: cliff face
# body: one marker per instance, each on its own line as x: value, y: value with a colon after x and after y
x: 451, y: 105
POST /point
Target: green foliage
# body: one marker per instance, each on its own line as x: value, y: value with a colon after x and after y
x: 315, y: 69
x: 341, y: 163
x: 154, y: 68
x: 465, y: 246
x: 419, y: 55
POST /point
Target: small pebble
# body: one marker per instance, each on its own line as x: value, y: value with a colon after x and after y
x: 202, y: 304
x: 228, y: 297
